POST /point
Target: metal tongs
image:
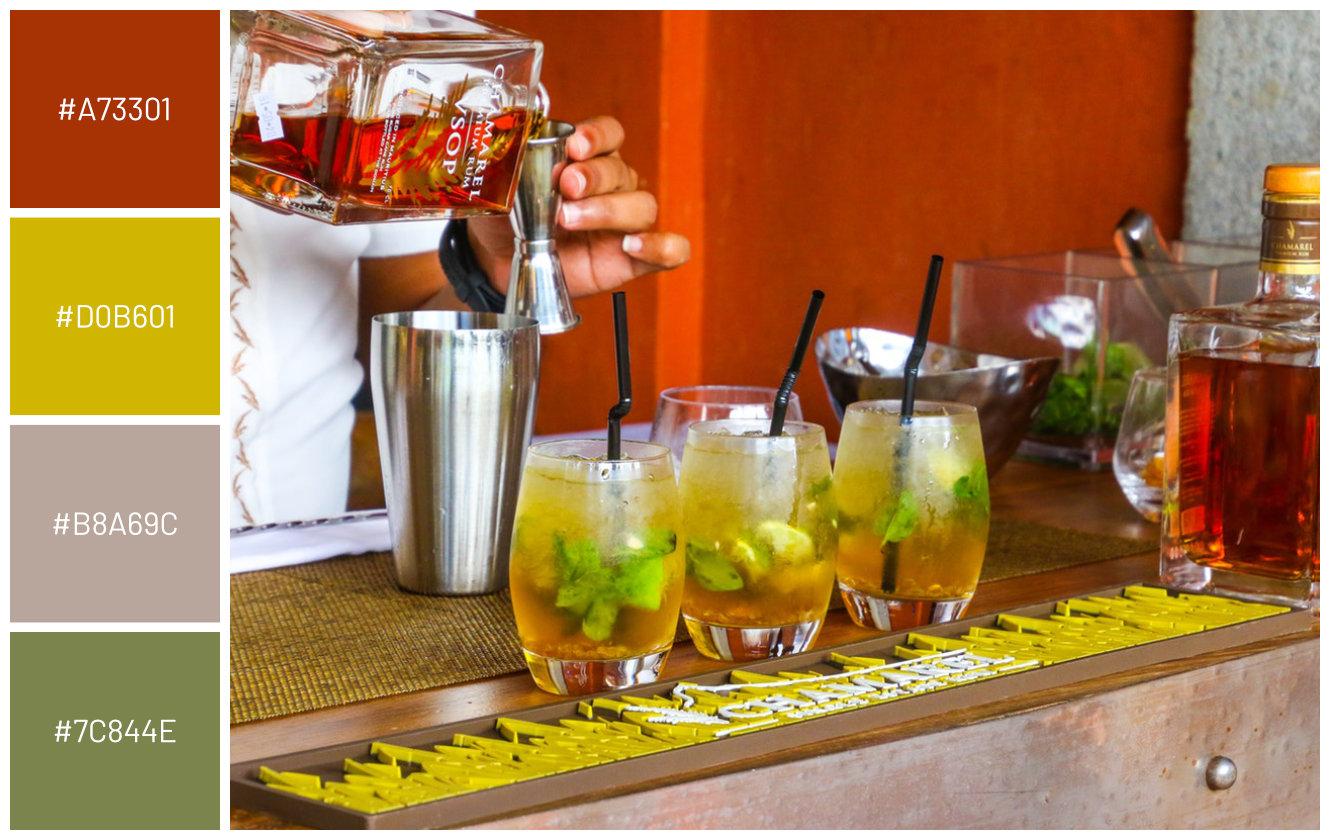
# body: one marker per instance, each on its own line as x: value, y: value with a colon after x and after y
x: 1140, y: 244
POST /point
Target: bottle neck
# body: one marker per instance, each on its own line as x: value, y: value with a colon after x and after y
x: 1274, y: 285
x: 1290, y: 266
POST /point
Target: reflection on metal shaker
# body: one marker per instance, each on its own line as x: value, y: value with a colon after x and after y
x: 454, y: 403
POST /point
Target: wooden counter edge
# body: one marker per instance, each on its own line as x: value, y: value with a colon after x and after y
x: 241, y: 819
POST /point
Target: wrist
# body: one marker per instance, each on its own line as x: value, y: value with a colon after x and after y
x: 495, y: 266
x: 461, y: 265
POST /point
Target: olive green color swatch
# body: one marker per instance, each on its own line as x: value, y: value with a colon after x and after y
x: 161, y: 687
x: 114, y: 316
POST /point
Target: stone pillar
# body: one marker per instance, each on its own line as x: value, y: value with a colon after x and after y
x: 1255, y: 100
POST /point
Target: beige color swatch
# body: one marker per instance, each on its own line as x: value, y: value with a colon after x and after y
x: 114, y: 523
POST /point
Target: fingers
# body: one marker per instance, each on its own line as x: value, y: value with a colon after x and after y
x: 660, y: 250
x: 621, y: 211
x: 598, y: 176
x: 596, y: 136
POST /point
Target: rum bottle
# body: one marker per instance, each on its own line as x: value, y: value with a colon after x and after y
x: 364, y: 116
x: 1241, y: 483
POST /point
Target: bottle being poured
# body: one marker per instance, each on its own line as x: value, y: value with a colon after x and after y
x: 351, y: 117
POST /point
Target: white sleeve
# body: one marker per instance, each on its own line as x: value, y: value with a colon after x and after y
x: 396, y: 239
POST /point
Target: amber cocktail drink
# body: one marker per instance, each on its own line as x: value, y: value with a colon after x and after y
x: 759, y: 536
x: 914, y: 512
x: 596, y: 567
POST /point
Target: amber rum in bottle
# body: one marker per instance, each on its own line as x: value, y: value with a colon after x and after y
x: 1241, y: 485
x: 378, y: 116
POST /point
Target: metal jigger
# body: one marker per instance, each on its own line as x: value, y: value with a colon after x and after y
x: 536, y: 288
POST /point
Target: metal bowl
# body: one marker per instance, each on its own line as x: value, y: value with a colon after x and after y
x: 858, y: 363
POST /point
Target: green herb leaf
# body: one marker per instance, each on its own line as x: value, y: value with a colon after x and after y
x: 599, y: 619
x: 653, y: 542
x: 581, y: 577
x: 1066, y: 409
x: 972, y: 490
x: 639, y: 582
x: 1069, y: 410
x: 594, y: 591
x: 711, y: 569
x: 896, y: 522
x: 820, y: 494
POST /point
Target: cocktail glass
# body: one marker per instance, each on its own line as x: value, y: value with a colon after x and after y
x: 759, y: 536
x: 914, y: 512
x: 679, y: 408
x: 596, y: 571
x: 1138, y: 455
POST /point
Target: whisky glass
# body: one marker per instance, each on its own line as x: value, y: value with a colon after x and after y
x: 1138, y: 455
x: 596, y: 571
x: 914, y: 512
x: 679, y: 408
x: 759, y: 537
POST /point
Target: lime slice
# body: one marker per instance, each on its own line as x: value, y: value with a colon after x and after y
x: 753, y: 560
x: 787, y: 542
x: 945, y: 466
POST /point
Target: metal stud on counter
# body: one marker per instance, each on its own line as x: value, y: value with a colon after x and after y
x: 1221, y: 773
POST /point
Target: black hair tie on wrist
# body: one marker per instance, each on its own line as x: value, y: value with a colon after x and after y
x: 463, y: 271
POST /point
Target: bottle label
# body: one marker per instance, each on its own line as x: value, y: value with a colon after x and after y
x: 1291, y: 246
x: 270, y: 124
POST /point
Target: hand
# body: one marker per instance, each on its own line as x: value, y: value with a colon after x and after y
x: 602, y: 201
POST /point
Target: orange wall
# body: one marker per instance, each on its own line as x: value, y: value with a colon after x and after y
x: 805, y: 150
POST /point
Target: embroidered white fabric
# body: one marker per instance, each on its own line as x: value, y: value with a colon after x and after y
x: 293, y: 368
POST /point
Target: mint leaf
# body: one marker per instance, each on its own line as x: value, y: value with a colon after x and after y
x: 653, y: 542
x: 595, y: 591
x: 581, y: 577
x: 896, y: 522
x: 710, y: 568
x: 599, y: 619
x: 640, y: 581
x: 973, y: 487
x: 820, y: 494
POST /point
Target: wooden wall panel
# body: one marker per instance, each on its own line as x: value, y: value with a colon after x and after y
x: 600, y: 63
x: 839, y: 151
x: 846, y: 148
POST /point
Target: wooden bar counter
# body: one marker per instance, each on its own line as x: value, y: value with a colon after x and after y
x: 1125, y: 751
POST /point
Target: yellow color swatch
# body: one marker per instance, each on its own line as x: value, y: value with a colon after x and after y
x: 114, y: 316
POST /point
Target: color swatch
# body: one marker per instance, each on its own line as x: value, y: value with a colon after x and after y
x: 114, y: 108
x: 115, y: 527
x: 114, y: 523
x: 114, y: 730
x: 114, y: 316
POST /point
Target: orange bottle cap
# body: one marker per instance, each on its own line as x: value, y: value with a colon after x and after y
x: 1302, y: 178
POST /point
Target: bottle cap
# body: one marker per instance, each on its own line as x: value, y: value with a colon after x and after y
x: 1304, y: 178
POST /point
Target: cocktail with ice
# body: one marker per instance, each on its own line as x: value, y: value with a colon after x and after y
x: 759, y: 537
x: 596, y: 566
x: 914, y: 512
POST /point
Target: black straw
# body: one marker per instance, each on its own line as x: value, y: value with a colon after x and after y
x: 890, y: 550
x: 792, y: 373
x: 920, y: 339
x: 625, y: 402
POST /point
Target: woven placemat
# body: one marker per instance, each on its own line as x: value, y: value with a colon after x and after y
x: 340, y: 631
